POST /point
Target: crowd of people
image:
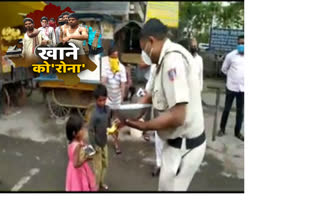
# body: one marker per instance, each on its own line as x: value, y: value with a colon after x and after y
x: 174, y: 85
x: 116, y: 79
x: 68, y: 30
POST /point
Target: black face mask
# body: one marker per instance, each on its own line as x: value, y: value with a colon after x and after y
x: 193, y: 50
x: 61, y: 23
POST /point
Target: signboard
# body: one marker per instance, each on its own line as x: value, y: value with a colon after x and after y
x: 167, y: 12
x: 224, y: 40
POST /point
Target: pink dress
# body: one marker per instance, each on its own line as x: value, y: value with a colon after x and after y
x: 79, y: 179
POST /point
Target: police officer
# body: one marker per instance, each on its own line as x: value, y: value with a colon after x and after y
x: 175, y: 95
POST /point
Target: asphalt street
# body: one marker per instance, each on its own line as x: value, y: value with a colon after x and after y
x: 33, y: 157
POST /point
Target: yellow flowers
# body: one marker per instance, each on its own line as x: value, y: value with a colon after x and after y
x: 10, y: 34
x: 112, y: 130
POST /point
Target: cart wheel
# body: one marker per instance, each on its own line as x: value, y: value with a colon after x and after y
x: 5, y: 100
x: 28, y: 85
x: 82, y: 112
x: 57, y: 111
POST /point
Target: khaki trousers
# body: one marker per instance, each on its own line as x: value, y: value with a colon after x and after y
x: 100, y: 164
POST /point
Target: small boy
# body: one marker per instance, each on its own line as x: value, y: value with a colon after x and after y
x: 99, y: 121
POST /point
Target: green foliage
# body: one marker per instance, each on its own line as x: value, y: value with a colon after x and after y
x: 197, y: 17
x: 232, y: 16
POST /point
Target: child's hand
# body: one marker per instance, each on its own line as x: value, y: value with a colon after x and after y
x: 90, y: 158
x: 118, y: 123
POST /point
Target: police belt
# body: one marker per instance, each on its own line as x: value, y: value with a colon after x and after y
x: 190, y: 143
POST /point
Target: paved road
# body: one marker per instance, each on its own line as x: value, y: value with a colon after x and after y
x: 128, y: 172
x: 33, y: 157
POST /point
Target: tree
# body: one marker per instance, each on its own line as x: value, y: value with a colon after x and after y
x: 231, y: 16
x: 196, y: 17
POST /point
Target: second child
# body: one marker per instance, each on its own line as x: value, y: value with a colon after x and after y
x: 99, y: 121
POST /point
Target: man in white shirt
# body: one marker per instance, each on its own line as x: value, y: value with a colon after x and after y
x: 233, y: 67
x: 48, y: 31
x: 192, y: 46
x: 175, y: 96
x: 114, y: 77
x: 32, y: 38
x: 198, y: 59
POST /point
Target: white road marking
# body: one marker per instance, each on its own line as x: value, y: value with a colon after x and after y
x: 18, y: 154
x: 226, y: 174
x: 25, y: 179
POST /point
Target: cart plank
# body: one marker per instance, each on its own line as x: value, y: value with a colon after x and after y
x: 60, y: 84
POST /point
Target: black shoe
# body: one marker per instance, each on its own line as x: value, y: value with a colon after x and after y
x: 156, y: 172
x: 239, y: 136
x: 220, y: 133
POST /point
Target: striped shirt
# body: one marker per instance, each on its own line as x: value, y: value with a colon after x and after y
x: 113, y: 82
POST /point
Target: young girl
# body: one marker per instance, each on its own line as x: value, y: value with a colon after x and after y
x: 79, y: 175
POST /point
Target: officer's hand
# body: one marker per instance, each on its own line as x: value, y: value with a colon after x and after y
x: 137, y: 124
x: 118, y: 123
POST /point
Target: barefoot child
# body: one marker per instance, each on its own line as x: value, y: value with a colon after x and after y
x: 79, y: 175
x: 99, y: 121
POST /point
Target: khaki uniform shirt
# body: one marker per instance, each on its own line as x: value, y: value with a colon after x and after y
x: 177, y: 82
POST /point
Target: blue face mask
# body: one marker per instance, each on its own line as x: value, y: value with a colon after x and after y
x: 240, y: 49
